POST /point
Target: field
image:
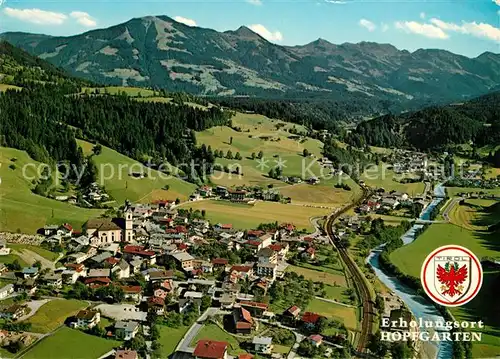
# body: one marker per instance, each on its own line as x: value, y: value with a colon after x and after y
x: 454, y: 191
x: 17, y: 202
x: 347, y: 315
x: 51, y: 256
x: 410, y: 257
x: 492, y: 173
x: 330, y: 277
x: 213, y: 332
x: 53, y: 314
x: 244, y: 216
x: 475, y: 214
x: 9, y: 258
x: 70, y: 343
x: 169, y: 338
x: 114, y: 173
x: 382, y: 177
x: 259, y: 133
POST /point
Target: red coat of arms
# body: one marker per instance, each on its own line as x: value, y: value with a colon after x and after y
x: 451, y: 275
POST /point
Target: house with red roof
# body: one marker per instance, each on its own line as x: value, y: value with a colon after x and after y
x: 289, y: 227
x: 241, y: 271
x: 256, y: 309
x: 223, y: 227
x: 242, y: 321
x: 291, y: 315
x: 315, y: 339
x: 97, y: 282
x: 157, y: 305
x: 132, y: 292
x: 210, y: 349
x: 281, y: 250
x: 310, y: 319
x: 220, y: 263
x: 309, y: 253
x: 131, y: 251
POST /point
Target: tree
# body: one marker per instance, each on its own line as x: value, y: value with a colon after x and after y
x: 177, y: 201
x: 260, y: 155
x: 15, y: 265
x: 97, y: 149
x: 203, y: 213
x: 206, y: 302
x: 305, y: 153
x: 272, y: 173
x: 237, y: 156
x: 253, y: 156
x: 231, y: 140
x: 38, y: 264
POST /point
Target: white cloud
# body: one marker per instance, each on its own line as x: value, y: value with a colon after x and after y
x: 254, y: 2
x: 470, y: 28
x: 370, y: 26
x: 422, y: 14
x: 83, y: 18
x: 185, y: 21
x: 385, y: 27
x: 427, y: 30
x: 36, y: 16
x: 265, y: 33
x: 497, y: 2
x: 336, y: 1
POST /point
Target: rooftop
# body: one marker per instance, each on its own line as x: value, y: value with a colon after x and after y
x: 210, y: 349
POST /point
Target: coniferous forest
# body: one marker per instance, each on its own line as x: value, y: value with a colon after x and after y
x: 45, y: 122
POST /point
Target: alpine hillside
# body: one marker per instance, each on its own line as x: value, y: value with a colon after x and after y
x: 157, y: 51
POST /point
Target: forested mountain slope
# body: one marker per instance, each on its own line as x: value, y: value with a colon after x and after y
x: 476, y: 121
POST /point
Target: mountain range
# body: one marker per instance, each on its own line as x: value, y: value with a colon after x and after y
x: 158, y: 52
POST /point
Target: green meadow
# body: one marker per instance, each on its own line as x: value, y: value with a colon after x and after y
x: 23, y: 211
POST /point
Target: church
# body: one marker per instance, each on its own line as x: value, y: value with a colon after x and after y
x: 109, y: 230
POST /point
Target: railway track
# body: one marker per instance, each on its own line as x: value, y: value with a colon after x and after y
x: 358, y: 278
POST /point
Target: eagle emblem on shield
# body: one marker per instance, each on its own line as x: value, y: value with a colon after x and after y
x: 452, y: 280
x: 451, y: 275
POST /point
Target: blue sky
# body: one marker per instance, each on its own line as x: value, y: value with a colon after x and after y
x: 466, y: 27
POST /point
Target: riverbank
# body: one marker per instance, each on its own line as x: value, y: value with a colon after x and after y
x: 419, y: 306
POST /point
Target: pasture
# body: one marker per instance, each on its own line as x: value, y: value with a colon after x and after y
x: 169, y: 338
x: 71, y: 343
x: 346, y: 315
x: 52, y: 314
x: 115, y: 169
x: 252, y: 133
x: 244, y: 216
x: 330, y: 277
x: 18, y: 202
x: 382, y: 177
x: 409, y: 258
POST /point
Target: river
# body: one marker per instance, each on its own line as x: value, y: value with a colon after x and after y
x: 419, y: 306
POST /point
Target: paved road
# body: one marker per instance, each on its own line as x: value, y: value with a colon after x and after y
x: 449, y: 207
x: 185, y: 343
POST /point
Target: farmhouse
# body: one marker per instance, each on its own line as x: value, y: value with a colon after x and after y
x: 87, y: 319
